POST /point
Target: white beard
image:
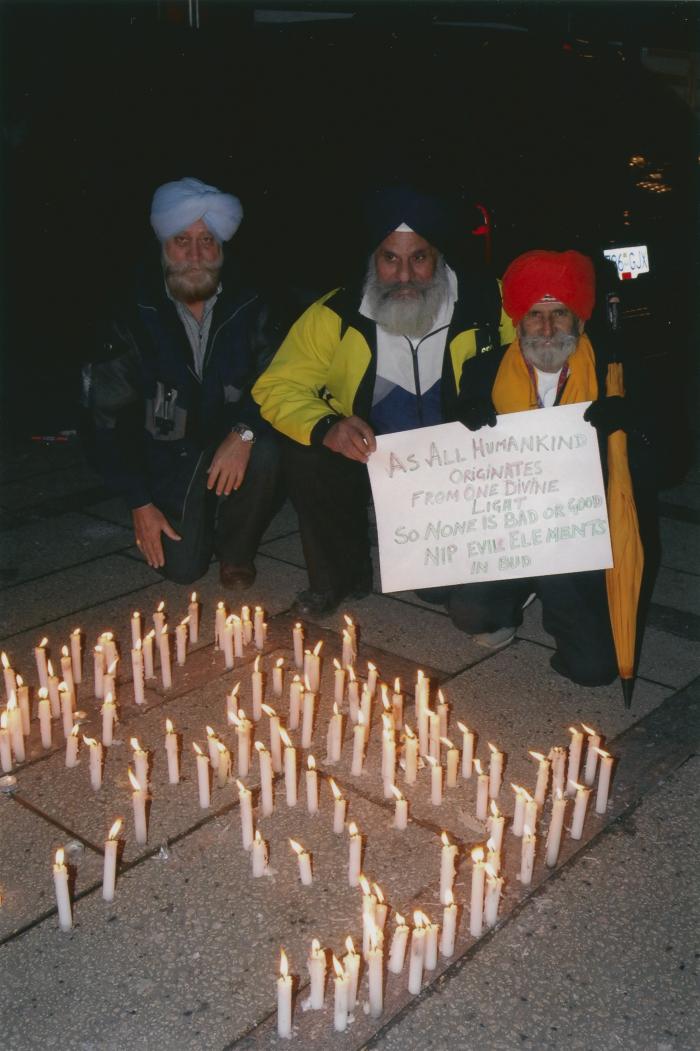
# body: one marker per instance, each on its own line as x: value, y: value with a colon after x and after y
x: 548, y: 355
x: 406, y: 315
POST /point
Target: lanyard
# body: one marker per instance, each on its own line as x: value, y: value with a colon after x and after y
x: 561, y: 383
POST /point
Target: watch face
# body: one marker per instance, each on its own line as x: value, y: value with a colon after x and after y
x: 245, y: 434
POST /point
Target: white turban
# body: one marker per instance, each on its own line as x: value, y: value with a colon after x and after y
x: 176, y: 205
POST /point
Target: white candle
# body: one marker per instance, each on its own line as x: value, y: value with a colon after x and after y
x: 335, y: 735
x: 556, y: 824
x: 351, y: 962
x: 397, y: 703
x: 388, y: 760
x: 245, y: 800
x: 375, y: 964
x: 400, y: 810
x: 109, y: 679
x: 381, y: 909
x: 23, y: 702
x: 592, y: 746
x: 355, y: 855
x: 109, y: 715
x: 351, y: 631
x: 223, y: 766
x: 54, y: 698
x: 72, y: 747
x: 278, y: 677
x: 226, y: 640
x: 109, y: 646
x: 448, y: 856
x: 304, y: 863
x: 243, y: 736
x: 135, y: 629
x: 164, y: 650
x: 298, y: 643
x: 399, y: 941
x: 95, y: 762
x: 67, y: 669
x: 341, y: 983
x: 257, y: 688
x: 275, y: 739
x: 353, y: 695
x: 5, y: 746
x: 494, y: 886
x: 311, y: 786
x: 372, y: 678
x: 557, y: 757
x: 181, y: 641
x: 417, y: 955
x: 284, y: 999
x: 312, y: 667
x: 339, y: 808
x: 527, y: 856
x: 316, y: 964
x: 431, y: 946
x: 219, y: 625
x: 138, y: 799
x: 137, y: 672
x: 519, y: 812
x: 60, y: 882
x: 65, y: 698
x: 193, y: 618
x: 202, y: 777
x: 530, y: 813
x: 290, y: 768
x: 259, y: 855
x: 212, y: 741
x: 574, y: 755
x: 493, y: 856
x: 482, y: 792
x: 542, y: 778
x: 452, y: 762
x: 265, y: 762
x: 496, y: 825
x: 449, y: 927
x: 424, y: 730
x: 410, y: 756
x: 369, y: 903
x: 241, y: 631
x: 495, y: 772
x: 295, y: 691
x: 14, y: 727
x: 435, y: 781
x: 76, y: 654
x: 434, y: 735
x: 109, y: 873
x: 159, y: 618
x: 148, y: 668
x: 443, y: 713
x: 259, y: 628
x: 358, y: 750
x: 41, y: 667
x: 307, y: 722
x: 172, y: 753
x: 582, y: 794
x: 140, y: 758
x: 476, y: 912
x: 338, y: 681
x: 606, y: 765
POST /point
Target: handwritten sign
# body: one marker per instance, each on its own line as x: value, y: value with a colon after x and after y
x: 522, y: 499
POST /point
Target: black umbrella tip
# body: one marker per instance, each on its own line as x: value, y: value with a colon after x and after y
x: 627, y: 690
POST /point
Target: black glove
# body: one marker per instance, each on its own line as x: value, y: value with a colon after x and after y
x: 611, y: 414
x: 477, y: 413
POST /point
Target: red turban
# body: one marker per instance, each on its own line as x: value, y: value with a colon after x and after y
x: 565, y: 276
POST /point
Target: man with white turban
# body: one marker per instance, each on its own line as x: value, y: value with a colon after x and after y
x: 175, y: 424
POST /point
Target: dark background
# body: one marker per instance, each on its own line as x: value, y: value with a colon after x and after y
x: 532, y: 109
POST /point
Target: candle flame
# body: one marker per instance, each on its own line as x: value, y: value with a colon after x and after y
x: 317, y: 648
x: 135, y: 784
x: 378, y: 893
x: 338, y: 967
x: 441, y: 697
x: 334, y: 789
x: 3, y: 721
x: 114, y: 830
x: 408, y: 731
x: 284, y: 964
x: 602, y: 753
x: 89, y: 741
x: 134, y: 742
x: 193, y: 596
x: 49, y: 666
x: 64, y: 652
x: 400, y: 920
x: 185, y: 621
x: 60, y: 855
x: 579, y: 788
x: 20, y: 680
x: 76, y: 730
x: 164, y: 631
x: 296, y: 847
x: 307, y: 684
x: 44, y: 642
x: 430, y: 759
x: 169, y: 726
x: 315, y: 947
x: 385, y: 696
x: 419, y: 675
x: 258, y: 837
x: 151, y: 635
x: 463, y: 728
x: 494, y: 750
x: 12, y: 703
x: 197, y: 749
x: 62, y: 687
x: 286, y: 739
x: 336, y: 709
x: 477, y: 767
x: 573, y: 730
x: 352, y: 829
x: 364, y: 884
x: 418, y: 916
x: 161, y: 607
x: 490, y: 871
x: 279, y: 663
x: 256, y: 665
x: 348, y: 620
x: 231, y: 620
x: 350, y: 945
x: 351, y: 674
x: 233, y: 718
x: 371, y: 667
x: 311, y: 763
x: 75, y: 631
x: 139, y: 646
x: 241, y: 787
x: 260, y: 747
x: 527, y: 831
x: 517, y: 789
x: 3, y: 658
x: 477, y: 855
x: 338, y: 667
x: 494, y: 809
x: 268, y: 710
x: 397, y: 795
x: 589, y: 730
x: 447, y: 742
x: 245, y: 612
x: 221, y: 747
x: 445, y: 839
x: 538, y: 756
x: 234, y: 692
x: 491, y: 845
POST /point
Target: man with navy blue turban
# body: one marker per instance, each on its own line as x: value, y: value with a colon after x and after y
x: 174, y: 422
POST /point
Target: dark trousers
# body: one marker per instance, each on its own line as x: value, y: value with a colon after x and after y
x: 574, y: 612
x: 229, y: 526
x: 330, y: 494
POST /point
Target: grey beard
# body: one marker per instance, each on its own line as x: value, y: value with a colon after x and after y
x: 190, y: 287
x: 548, y: 355
x: 413, y: 316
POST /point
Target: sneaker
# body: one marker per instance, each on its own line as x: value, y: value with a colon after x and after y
x: 495, y: 640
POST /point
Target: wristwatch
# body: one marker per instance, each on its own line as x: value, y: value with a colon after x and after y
x: 244, y: 432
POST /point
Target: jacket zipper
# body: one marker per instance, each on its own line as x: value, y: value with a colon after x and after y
x: 416, y: 375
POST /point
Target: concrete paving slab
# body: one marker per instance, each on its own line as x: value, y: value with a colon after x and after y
x: 679, y: 546
x: 46, y: 546
x: 286, y: 549
x: 680, y: 590
x: 112, y: 510
x: 31, y: 459
x: 686, y: 495
x: 284, y: 522
x: 29, y: 492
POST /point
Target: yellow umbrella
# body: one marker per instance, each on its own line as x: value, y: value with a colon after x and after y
x: 624, y: 580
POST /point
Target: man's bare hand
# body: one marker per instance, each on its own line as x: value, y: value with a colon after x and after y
x: 229, y: 465
x: 351, y: 437
x: 149, y: 523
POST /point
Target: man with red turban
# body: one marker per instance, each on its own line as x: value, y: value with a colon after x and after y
x: 549, y: 297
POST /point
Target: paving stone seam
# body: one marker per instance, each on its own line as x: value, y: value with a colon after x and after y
x: 61, y: 569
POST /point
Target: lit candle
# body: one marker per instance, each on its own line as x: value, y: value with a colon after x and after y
x: 257, y: 687
x: 431, y: 945
x: 72, y: 747
x: 424, y: 730
x: 109, y: 716
x: 341, y: 983
x: 449, y: 926
x: 435, y: 781
x: 226, y: 641
x: 606, y: 765
x: 5, y: 746
x: 311, y: 786
x: 164, y: 650
x: 353, y: 695
x: 240, y: 630
x: 223, y: 766
x: 467, y: 751
x: 23, y: 702
x: 476, y: 913
x: 14, y: 727
x: 434, y: 735
x: 369, y: 903
x: 557, y: 757
x: 358, y: 750
x: 388, y: 757
x: 193, y: 618
x: 45, y: 718
x: 284, y: 999
x: 135, y: 629
x: 290, y: 768
x: 219, y: 625
x: 245, y: 800
x: 259, y: 855
x: 496, y: 825
x: 95, y: 762
x: 172, y: 753
x: 375, y: 964
x: 137, y: 672
x: 316, y: 964
x: 399, y: 941
x: 109, y: 646
x: 542, y: 777
x: 54, y: 698
x: 417, y: 955
x: 482, y: 792
x: 448, y: 857
x: 265, y: 762
x: 530, y: 812
x: 355, y: 855
x: 338, y: 681
x: 60, y: 882
x: 582, y: 794
x: 351, y: 962
x: 420, y: 695
x: 351, y: 631
x: 493, y: 856
x: 247, y: 624
x: 275, y: 739
x: 138, y: 799
x: 452, y: 762
x: 381, y: 909
x: 312, y: 667
x: 519, y: 812
x: 259, y: 628
x: 366, y: 707
x: 202, y: 777
x: 592, y: 746
x: 243, y: 736
x: 400, y: 810
x: 181, y: 641
x: 148, y: 668
x: 556, y: 824
x: 410, y: 749
x: 372, y: 677
x: 494, y: 886
x: 109, y: 873
x: 574, y: 755
x: 527, y: 856
x: 41, y: 668
x: 335, y: 735
x: 307, y: 721
x: 109, y: 680
x: 67, y: 669
x: 278, y: 677
x: 397, y: 703
x: 295, y: 690
x: 304, y: 862
x: 76, y: 654
x: 159, y: 618
x: 298, y: 643
x: 140, y: 757
x: 339, y: 808
x: 495, y: 771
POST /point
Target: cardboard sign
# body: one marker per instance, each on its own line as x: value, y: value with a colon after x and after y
x: 522, y: 499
